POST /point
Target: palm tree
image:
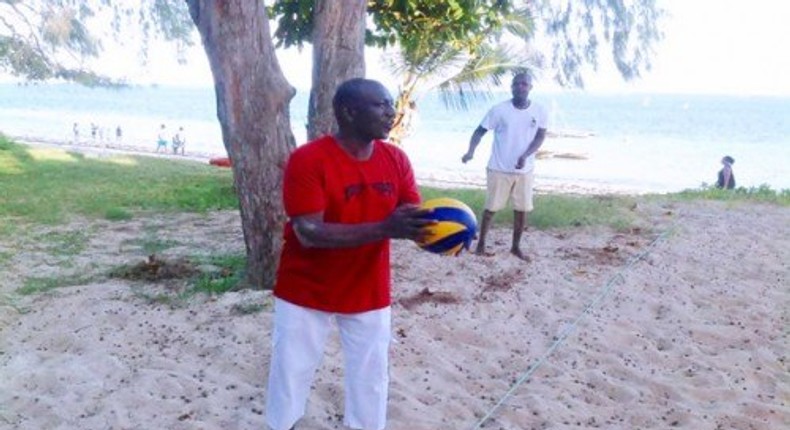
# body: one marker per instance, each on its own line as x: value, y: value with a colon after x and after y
x: 461, y: 71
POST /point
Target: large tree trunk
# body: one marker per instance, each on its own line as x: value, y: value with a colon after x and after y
x: 338, y: 55
x: 252, y: 106
x: 405, y: 113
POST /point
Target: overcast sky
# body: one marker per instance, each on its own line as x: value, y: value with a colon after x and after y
x: 720, y: 46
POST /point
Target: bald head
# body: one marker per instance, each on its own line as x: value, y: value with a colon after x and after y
x: 363, y: 107
x: 351, y: 92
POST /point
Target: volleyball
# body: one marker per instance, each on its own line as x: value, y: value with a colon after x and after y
x: 454, y: 229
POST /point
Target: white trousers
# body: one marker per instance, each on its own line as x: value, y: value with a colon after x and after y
x: 298, y: 340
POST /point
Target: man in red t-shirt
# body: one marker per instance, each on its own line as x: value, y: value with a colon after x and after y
x: 346, y: 196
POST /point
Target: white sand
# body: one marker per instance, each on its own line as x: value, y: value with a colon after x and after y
x: 692, y: 335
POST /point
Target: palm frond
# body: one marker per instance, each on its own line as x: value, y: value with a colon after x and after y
x: 520, y: 23
x: 482, y: 75
x: 463, y: 71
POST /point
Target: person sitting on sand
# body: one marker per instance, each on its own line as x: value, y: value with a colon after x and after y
x: 726, y: 179
x: 179, y: 141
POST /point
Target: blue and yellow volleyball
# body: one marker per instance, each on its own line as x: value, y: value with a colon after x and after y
x: 454, y: 229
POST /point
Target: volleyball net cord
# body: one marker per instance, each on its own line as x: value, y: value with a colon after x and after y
x: 569, y: 328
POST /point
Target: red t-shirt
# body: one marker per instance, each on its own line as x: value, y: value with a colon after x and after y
x: 321, y: 176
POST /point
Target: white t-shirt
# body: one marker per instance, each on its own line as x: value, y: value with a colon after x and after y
x: 514, y: 129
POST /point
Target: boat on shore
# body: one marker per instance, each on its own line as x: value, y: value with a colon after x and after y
x: 578, y: 134
x: 220, y: 161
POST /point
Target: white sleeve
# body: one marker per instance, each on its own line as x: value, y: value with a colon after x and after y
x: 543, y: 118
x: 490, y: 120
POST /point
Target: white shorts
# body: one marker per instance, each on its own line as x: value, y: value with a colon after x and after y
x: 503, y: 186
x: 298, y: 340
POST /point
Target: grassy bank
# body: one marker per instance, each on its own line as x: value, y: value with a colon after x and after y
x: 47, y: 186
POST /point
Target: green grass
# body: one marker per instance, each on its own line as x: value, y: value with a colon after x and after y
x: 39, y: 285
x: 5, y: 257
x: 118, y: 214
x: 151, y: 243
x: 12, y: 302
x: 225, y: 273
x: 228, y: 278
x: 42, y: 185
x: 551, y: 211
x: 566, y: 210
x: 67, y: 243
x: 761, y: 194
x: 49, y: 186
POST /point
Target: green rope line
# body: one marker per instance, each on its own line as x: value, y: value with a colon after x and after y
x: 571, y: 327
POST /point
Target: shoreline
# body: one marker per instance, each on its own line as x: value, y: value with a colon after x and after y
x: 434, y: 178
x: 104, y: 148
x: 630, y: 145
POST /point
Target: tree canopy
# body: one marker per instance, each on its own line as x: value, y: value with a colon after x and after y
x: 577, y: 32
x: 46, y: 39
x: 464, y: 48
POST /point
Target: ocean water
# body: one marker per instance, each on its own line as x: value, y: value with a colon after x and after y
x: 631, y: 143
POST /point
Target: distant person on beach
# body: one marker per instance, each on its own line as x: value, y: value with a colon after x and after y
x: 161, y: 139
x: 519, y: 127
x: 76, y: 130
x: 726, y: 179
x: 346, y: 195
x: 118, y: 134
x: 179, y: 141
x: 94, y: 130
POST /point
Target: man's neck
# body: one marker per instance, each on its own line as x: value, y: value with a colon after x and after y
x: 356, y: 148
x: 521, y: 103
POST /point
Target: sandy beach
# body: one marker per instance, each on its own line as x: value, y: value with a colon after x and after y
x: 680, y: 322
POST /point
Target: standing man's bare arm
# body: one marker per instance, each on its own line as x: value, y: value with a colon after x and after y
x: 473, y: 142
x: 533, y: 147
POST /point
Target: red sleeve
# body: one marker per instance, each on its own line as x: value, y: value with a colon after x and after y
x: 303, y: 190
x: 409, y: 191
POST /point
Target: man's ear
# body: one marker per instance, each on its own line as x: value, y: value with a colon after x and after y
x: 347, y: 114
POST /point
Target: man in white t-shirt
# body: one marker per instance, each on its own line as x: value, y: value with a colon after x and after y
x: 519, y: 130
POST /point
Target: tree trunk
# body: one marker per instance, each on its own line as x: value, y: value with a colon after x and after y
x: 253, y: 100
x: 405, y: 111
x: 338, y: 55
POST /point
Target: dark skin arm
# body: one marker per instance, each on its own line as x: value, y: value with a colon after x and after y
x: 533, y: 147
x: 473, y: 142
x: 727, y: 171
x: 404, y: 223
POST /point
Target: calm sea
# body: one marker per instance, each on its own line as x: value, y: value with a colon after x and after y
x: 632, y: 142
